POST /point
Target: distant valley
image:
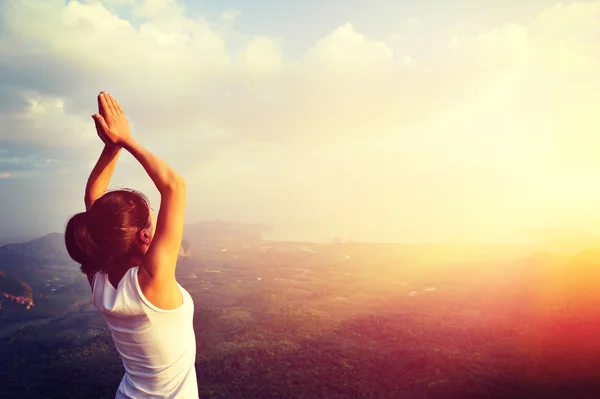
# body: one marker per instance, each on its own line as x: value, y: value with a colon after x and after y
x: 339, y: 320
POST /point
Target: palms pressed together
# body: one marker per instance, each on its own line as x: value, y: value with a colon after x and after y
x: 111, y: 123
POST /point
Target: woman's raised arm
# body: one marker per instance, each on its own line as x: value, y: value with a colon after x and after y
x: 102, y: 172
x: 157, y: 273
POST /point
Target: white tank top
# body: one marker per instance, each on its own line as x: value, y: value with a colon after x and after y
x: 158, y: 347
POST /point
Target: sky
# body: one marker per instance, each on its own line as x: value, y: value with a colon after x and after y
x: 371, y: 121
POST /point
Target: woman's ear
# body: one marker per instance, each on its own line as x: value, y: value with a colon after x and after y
x: 145, y: 235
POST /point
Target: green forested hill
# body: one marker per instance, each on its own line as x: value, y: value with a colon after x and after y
x: 345, y: 322
x: 10, y: 285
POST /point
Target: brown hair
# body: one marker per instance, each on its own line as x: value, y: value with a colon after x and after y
x: 106, y: 235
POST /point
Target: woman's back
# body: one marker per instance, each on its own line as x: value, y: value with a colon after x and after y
x: 149, y: 314
x: 158, y: 347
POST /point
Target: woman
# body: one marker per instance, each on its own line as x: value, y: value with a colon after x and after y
x: 129, y: 257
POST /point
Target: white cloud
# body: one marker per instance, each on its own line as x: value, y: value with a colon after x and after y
x: 414, y: 22
x: 183, y: 70
x: 501, y: 49
x: 44, y: 120
x: 345, y: 49
x: 261, y: 54
x: 408, y: 61
x: 567, y: 39
x: 505, y: 105
x: 396, y: 37
x: 229, y: 16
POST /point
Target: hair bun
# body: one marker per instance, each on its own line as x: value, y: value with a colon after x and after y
x: 80, y: 245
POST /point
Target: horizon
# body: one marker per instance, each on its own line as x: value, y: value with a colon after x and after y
x: 553, y: 241
x: 391, y: 123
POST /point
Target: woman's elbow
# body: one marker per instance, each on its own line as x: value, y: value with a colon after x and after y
x: 177, y: 183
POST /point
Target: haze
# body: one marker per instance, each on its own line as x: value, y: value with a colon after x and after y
x: 386, y: 121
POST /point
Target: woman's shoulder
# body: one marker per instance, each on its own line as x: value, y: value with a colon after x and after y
x: 91, y: 278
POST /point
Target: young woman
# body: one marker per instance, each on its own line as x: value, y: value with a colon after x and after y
x: 129, y: 256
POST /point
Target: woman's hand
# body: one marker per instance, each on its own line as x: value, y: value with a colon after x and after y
x: 107, y: 143
x: 111, y: 122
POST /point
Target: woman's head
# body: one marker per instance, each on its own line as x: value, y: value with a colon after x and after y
x: 115, y: 232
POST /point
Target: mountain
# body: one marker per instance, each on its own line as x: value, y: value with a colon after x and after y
x: 10, y: 285
x: 41, y: 269
x: 26, y: 259
x: 14, y: 238
x: 14, y: 292
x: 23, y: 258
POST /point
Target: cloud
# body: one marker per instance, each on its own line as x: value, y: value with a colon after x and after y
x: 505, y: 107
x: 44, y: 120
x: 41, y: 162
x: 183, y: 70
x: 5, y: 175
x: 347, y: 50
x: 414, y: 22
x: 202, y: 91
x: 229, y: 16
x: 568, y: 37
x: 262, y: 54
x: 408, y: 61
